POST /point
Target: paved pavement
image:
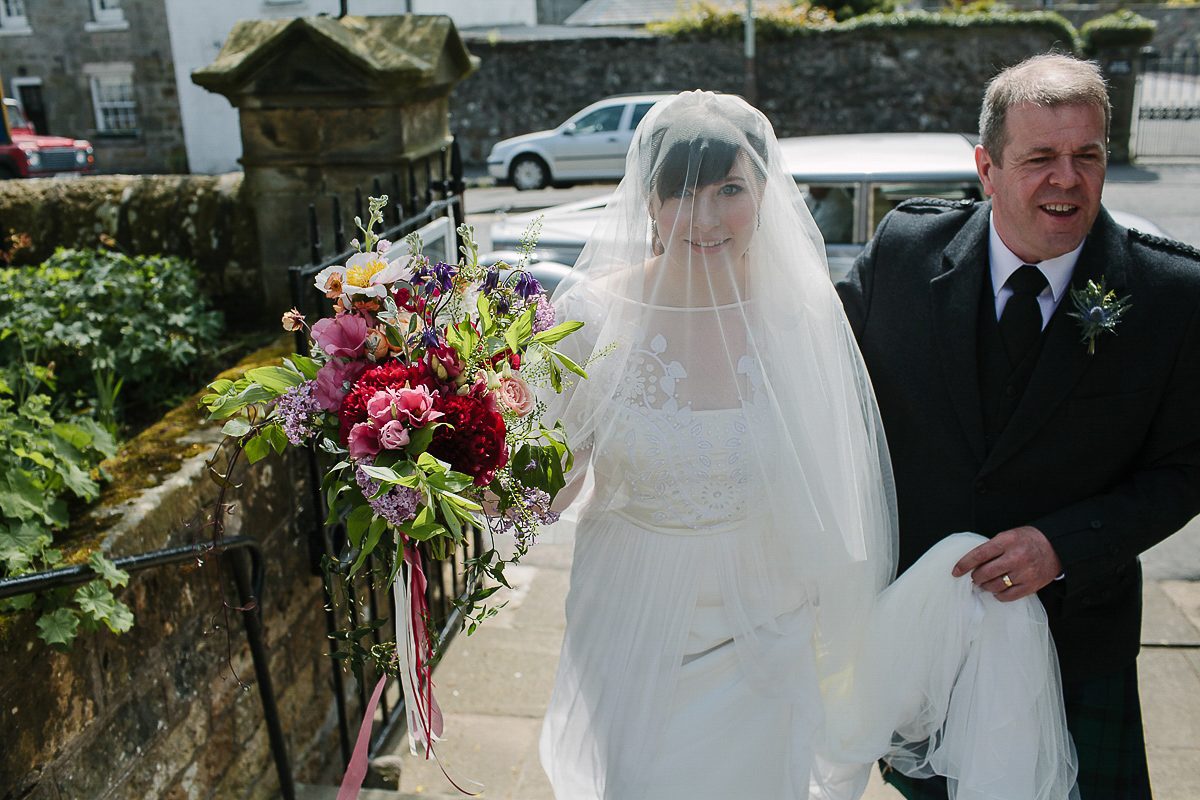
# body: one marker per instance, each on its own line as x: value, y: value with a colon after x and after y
x: 494, y: 685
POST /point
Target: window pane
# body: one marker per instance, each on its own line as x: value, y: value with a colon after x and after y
x: 600, y: 120
x: 115, y: 103
x: 639, y: 111
x: 13, y: 8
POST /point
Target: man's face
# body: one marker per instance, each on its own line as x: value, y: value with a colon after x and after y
x: 1046, y: 186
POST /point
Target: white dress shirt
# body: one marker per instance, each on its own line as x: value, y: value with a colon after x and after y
x: 1058, y: 271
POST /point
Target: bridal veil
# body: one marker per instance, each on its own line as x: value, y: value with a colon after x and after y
x: 743, y: 509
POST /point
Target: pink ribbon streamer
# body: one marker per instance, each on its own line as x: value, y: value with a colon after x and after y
x: 356, y: 772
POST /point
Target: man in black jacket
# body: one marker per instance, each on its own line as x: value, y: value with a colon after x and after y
x: 1074, y: 446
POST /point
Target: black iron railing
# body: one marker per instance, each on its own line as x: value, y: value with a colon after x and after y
x: 1168, y: 104
x: 431, y: 190
x: 245, y: 555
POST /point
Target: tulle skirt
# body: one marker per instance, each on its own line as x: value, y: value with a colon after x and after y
x: 660, y: 694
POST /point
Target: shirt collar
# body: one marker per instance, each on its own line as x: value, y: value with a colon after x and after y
x: 1058, y: 270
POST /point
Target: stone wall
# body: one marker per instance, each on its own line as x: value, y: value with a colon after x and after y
x: 64, y: 42
x: 844, y: 81
x: 156, y: 713
x: 206, y: 218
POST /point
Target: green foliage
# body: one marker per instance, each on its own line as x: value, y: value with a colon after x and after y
x: 111, y: 325
x: 777, y: 21
x: 1122, y: 28
x: 42, y: 463
x: 846, y: 9
x: 704, y: 19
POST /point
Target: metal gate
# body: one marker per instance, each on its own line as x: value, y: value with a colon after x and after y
x: 1168, y: 104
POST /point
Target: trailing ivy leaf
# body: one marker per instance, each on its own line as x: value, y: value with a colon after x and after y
x: 110, y: 572
x: 59, y: 629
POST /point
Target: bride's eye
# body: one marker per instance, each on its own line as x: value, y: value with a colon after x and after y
x: 731, y: 189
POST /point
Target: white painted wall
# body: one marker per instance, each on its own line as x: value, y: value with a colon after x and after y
x: 198, y: 29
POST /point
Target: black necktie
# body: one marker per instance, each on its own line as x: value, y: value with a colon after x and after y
x: 1021, y: 322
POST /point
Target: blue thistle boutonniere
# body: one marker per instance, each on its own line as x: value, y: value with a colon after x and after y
x: 1097, y: 310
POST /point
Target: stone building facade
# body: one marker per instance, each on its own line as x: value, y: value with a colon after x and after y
x: 103, y: 71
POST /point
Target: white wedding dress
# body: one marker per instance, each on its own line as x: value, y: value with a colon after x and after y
x: 731, y: 630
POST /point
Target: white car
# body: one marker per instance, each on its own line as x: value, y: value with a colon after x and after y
x: 849, y: 181
x: 591, y: 145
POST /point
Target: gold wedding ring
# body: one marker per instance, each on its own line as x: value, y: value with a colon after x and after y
x: 1007, y: 581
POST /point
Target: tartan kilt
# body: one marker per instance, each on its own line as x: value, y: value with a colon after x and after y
x: 1104, y: 717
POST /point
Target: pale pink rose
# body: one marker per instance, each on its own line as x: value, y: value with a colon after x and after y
x: 393, y: 435
x: 342, y: 336
x: 411, y: 406
x: 516, y: 394
x: 364, y: 440
x: 332, y: 379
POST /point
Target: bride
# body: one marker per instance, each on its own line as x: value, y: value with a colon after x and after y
x: 731, y: 629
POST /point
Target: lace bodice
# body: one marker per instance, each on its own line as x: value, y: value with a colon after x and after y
x: 671, y: 463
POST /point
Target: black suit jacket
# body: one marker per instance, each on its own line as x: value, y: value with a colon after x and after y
x: 1102, y: 453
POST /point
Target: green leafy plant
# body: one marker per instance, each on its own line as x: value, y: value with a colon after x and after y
x: 1122, y: 28
x: 43, y: 463
x: 122, y: 331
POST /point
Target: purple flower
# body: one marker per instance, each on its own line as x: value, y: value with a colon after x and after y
x: 529, y: 511
x: 397, y: 505
x: 527, y: 286
x: 443, y: 276
x: 543, y: 318
x: 430, y: 338
x: 297, y: 409
x: 490, y: 281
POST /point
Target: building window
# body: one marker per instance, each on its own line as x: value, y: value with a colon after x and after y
x: 112, y: 98
x: 12, y: 17
x: 107, y: 16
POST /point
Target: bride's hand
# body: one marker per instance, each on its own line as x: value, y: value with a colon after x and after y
x: 1023, y: 556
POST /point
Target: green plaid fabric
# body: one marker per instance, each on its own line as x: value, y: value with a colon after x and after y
x: 1105, y: 720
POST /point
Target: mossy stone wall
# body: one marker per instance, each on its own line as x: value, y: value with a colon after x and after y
x: 157, y: 713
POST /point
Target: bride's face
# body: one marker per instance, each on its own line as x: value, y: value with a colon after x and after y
x: 714, y: 223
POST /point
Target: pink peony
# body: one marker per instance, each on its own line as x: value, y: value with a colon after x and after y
x: 393, y: 435
x: 515, y: 394
x: 332, y: 379
x: 364, y: 440
x: 412, y: 406
x: 342, y: 336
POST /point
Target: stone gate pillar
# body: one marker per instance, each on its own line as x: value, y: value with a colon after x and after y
x: 328, y: 104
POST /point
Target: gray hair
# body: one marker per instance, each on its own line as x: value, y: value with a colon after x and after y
x: 1049, y: 80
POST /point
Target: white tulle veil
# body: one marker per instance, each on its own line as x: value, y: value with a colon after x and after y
x: 708, y: 274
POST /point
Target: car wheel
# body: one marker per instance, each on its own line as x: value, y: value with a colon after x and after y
x: 7, y: 172
x: 529, y: 172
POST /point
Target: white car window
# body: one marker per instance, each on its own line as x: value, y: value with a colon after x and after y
x: 601, y: 120
x: 639, y: 111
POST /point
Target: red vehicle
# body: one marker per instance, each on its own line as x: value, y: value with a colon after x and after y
x: 26, y: 154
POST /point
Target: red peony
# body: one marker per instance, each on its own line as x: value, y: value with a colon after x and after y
x: 392, y: 375
x: 476, y: 445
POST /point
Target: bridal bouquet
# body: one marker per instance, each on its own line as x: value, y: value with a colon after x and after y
x: 419, y: 388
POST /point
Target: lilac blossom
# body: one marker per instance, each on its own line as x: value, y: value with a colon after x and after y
x: 397, y: 505
x: 543, y: 318
x: 296, y: 410
x: 529, y: 511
